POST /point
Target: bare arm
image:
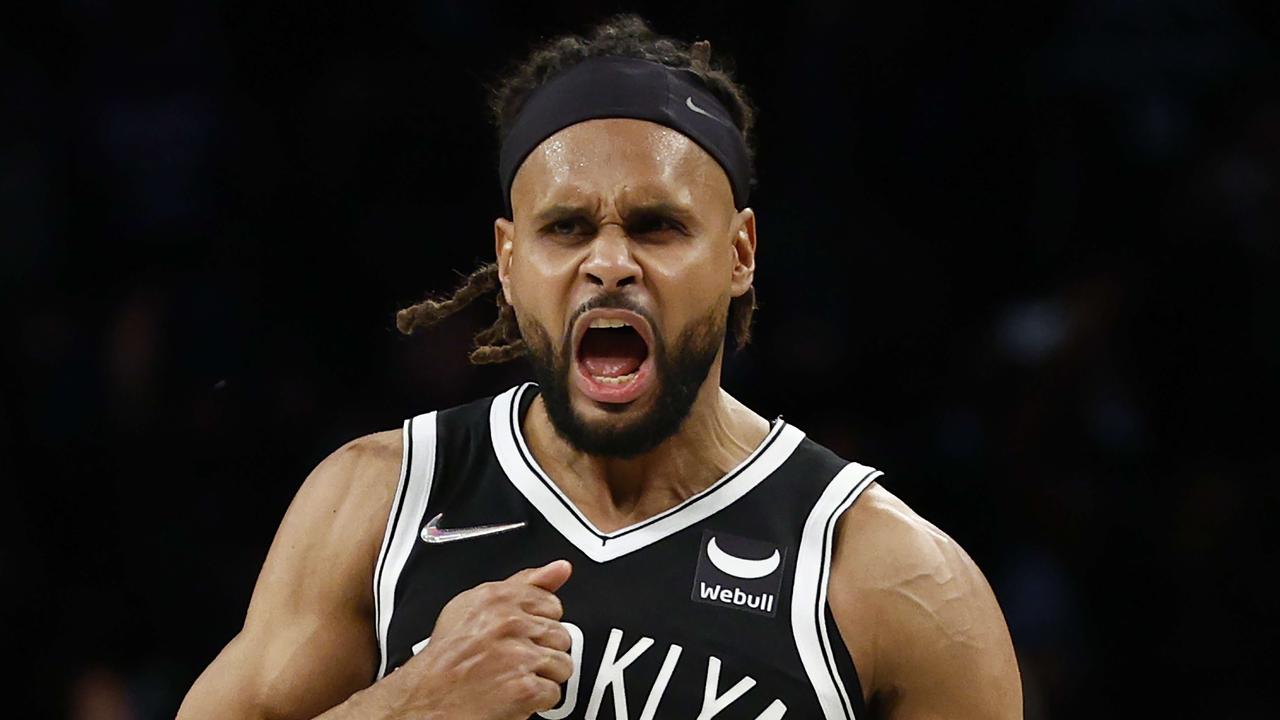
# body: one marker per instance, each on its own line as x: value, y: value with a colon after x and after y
x: 921, y: 622
x: 308, y: 640
x: 307, y: 650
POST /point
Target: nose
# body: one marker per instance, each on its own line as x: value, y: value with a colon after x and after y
x: 610, y: 263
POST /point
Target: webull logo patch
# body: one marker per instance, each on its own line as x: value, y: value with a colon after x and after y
x: 739, y: 573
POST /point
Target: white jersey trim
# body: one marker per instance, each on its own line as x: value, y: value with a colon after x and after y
x: 524, y: 473
x: 809, y: 591
x: 417, y: 471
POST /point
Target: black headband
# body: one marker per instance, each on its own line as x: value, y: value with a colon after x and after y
x: 613, y: 87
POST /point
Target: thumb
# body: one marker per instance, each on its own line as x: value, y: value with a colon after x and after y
x: 549, y: 577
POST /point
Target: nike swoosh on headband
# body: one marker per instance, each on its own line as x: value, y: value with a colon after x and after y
x: 434, y: 534
x: 689, y: 102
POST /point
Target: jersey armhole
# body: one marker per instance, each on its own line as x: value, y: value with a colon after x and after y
x: 417, y: 470
x: 823, y: 654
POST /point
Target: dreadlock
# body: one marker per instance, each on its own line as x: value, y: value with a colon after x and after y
x: 625, y: 35
x: 498, y: 343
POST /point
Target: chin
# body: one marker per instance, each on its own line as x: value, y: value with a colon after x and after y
x: 617, y: 430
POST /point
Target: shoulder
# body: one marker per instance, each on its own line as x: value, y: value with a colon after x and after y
x: 360, y: 472
x: 911, y: 603
x: 337, y: 518
x: 891, y: 543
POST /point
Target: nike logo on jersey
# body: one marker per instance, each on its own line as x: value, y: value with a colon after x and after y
x: 434, y: 534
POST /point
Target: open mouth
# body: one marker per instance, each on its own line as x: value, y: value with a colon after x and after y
x: 612, y: 355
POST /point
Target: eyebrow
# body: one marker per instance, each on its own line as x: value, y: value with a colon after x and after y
x: 661, y: 207
x: 560, y: 211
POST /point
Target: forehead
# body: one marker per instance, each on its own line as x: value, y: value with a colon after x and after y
x: 619, y: 158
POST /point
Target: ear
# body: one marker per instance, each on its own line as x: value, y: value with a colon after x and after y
x: 744, y: 252
x: 504, y: 232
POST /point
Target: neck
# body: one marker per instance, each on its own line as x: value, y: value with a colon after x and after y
x: 718, y: 434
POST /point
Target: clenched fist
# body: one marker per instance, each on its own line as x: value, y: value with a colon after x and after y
x: 498, y: 652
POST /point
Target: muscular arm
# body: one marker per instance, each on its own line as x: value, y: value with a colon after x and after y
x: 921, y: 622
x: 308, y: 639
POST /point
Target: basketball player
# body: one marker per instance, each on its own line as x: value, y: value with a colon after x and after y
x: 622, y: 539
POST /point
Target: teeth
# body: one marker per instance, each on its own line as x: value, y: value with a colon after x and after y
x: 607, y: 323
x: 620, y: 380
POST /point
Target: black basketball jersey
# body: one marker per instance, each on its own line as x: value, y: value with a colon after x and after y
x: 714, y: 608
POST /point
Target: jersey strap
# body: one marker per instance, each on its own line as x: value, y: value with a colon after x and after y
x: 417, y: 470
x: 809, y: 592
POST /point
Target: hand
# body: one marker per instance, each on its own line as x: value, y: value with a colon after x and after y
x: 498, y: 652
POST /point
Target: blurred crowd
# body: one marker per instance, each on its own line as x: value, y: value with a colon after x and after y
x: 1021, y: 257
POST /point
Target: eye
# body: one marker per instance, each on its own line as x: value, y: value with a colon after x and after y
x: 565, y: 226
x: 654, y: 223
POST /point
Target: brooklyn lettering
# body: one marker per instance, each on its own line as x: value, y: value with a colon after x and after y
x: 611, y: 680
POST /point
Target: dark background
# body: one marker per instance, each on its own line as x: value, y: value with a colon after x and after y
x: 1023, y: 258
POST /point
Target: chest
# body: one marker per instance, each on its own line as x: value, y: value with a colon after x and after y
x: 714, y: 608
x: 697, y: 624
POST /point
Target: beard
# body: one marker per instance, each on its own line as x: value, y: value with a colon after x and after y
x: 680, y: 370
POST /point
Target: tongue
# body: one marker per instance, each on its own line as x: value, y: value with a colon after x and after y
x: 612, y: 352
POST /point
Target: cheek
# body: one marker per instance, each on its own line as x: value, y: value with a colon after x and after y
x: 538, y: 284
x: 687, y: 285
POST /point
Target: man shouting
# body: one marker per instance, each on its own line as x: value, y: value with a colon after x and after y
x: 622, y: 539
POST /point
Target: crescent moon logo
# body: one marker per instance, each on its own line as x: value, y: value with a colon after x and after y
x: 742, y: 567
